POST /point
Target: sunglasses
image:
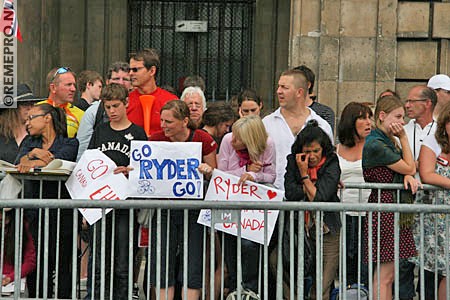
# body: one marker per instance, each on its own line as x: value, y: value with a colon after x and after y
x: 60, y: 71
x: 134, y: 70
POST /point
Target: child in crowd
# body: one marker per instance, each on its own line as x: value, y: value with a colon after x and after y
x: 120, y: 131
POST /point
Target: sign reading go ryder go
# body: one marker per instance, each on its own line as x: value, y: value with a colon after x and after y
x: 165, y: 170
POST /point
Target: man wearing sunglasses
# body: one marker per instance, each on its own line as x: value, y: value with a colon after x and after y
x: 441, y: 85
x: 62, y: 87
x: 145, y: 111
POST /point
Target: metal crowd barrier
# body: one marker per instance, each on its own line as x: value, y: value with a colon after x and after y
x: 57, y: 208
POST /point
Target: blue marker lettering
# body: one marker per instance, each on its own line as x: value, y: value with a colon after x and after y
x: 180, y: 169
x: 145, y: 167
x: 192, y: 165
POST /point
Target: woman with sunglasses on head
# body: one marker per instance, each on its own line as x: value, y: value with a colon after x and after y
x: 47, y: 140
x: 385, y: 160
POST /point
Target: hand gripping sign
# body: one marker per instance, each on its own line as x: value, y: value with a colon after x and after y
x: 166, y: 170
x: 225, y: 187
x: 93, y: 178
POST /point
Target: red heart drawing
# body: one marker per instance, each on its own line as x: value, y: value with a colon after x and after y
x: 271, y: 194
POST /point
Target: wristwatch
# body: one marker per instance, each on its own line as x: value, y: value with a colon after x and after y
x: 304, y: 177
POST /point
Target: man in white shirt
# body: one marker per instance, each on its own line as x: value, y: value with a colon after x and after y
x: 419, y: 108
x: 288, y: 120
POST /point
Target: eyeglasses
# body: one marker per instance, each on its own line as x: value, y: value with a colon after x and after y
x: 134, y: 70
x: 414, y: 100
x: 31, y: 117
x: 445, y: 91
x: 60, y: 71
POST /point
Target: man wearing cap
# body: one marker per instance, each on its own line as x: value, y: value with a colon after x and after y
x: 441, y: 85
x: 146, y: 101
x: 61, y: 84
x: 12, y: 123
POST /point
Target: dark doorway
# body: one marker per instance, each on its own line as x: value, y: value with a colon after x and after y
x: 222, y: 55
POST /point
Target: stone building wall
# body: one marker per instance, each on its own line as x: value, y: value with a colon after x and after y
x: 359, y: 48
x: 356, y: 48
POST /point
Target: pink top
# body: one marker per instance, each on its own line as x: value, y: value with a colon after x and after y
x: 228, y: 161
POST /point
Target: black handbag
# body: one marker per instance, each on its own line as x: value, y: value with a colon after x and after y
x: 309, y: 253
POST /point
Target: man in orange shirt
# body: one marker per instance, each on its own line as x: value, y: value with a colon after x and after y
x: 147, y: 99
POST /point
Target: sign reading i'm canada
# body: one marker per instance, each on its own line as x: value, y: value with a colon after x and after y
x: 225, y: 187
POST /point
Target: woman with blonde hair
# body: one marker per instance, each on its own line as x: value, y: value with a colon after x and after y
x: 385, y: 161
x: 249, y: 153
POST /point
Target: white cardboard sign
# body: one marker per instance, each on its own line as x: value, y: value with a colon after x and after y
x: 166, y: 170
x: 93, y: 178
x: 225, y: 187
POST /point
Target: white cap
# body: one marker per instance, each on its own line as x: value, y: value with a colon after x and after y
x: 440, y: 81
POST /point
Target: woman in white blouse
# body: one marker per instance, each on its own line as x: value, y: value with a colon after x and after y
x: 354, y: 126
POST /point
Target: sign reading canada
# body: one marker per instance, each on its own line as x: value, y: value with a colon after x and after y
x: 93, y: 178
x: 165, y: 170
x: 225, y: 187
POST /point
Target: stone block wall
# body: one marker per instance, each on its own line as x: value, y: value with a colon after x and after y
x: 360, y: 48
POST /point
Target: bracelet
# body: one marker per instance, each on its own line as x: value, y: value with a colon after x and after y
x: 304, y: 177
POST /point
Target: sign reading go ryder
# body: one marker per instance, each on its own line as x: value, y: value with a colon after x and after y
x: 225, y: 187
x: 165, y: 170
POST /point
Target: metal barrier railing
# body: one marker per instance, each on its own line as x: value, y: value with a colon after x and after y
x: 49, y: 275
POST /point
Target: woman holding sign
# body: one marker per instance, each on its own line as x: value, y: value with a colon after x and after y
x: 178, y: 127
x: 249, y: 153
x: 313, y: 174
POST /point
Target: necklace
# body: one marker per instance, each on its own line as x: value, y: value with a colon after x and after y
x: 421, y: 140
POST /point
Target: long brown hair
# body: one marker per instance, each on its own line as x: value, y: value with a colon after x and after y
x: 9, y: 123
x: 387, y: 104
x: 441, y: 134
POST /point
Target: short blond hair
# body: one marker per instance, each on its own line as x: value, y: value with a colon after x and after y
x: 251, y: 131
